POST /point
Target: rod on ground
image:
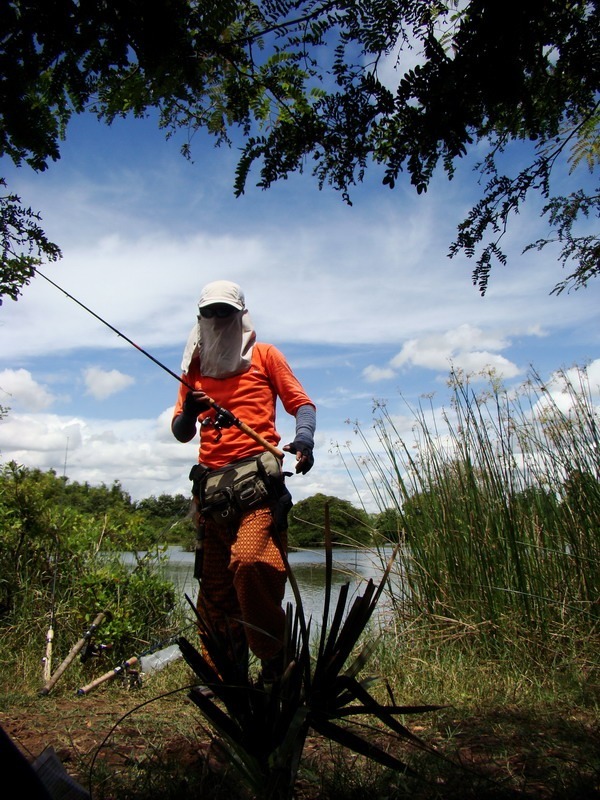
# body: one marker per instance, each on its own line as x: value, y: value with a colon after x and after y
x: 48, y: 655
x: 73, y: 652
x: 124, y: 667
x: 152, y: 661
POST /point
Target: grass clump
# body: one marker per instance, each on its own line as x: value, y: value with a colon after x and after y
x: 499, y: 505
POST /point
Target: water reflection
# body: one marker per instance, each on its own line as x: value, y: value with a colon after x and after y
x: 349, y: 566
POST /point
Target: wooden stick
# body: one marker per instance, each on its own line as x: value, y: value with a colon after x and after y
x: 258, y: 438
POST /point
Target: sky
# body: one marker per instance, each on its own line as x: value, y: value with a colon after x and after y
x: 362, y: 300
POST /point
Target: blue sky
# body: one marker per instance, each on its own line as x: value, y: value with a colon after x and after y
x: 363, y: 301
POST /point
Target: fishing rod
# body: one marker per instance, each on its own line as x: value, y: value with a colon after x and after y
x: 47, y: 659
x: 153, y: 659
x: 224, y: 419
x: 85, y: 639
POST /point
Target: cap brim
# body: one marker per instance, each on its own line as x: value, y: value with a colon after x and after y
x: 213, y: 301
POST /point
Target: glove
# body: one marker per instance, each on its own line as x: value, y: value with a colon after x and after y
x: 305, y: 463
x: 194, y: 406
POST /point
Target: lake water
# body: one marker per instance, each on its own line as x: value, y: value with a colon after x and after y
x: 353, y: 566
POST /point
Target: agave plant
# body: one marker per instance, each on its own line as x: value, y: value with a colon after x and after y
x: 263, y: 725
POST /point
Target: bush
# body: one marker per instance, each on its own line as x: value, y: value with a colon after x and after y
x: 57, y: 569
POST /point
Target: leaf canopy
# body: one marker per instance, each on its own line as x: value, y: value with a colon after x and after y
x: 302, y: 82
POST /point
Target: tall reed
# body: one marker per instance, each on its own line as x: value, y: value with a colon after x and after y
x: 499, y: 498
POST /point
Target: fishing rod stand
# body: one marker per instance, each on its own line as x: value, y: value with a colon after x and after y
x: 131, y: 678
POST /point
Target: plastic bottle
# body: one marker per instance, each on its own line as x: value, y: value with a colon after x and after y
x: 157, y: 661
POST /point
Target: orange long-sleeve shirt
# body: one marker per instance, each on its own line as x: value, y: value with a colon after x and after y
x: 251, y: 397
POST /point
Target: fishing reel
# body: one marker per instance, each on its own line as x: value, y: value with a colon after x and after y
x: 222, y: 419
x: 132, y: 679
x: 93, y: 650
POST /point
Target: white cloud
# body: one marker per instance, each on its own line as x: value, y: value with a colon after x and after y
x: 39, y: 440
x: 163, y: 425
x: 587, y: 377
x: 561, y: 386
x: 464, y: 336
x: 98, y: 451
x: 476, y: 362
x: 458, y: 348
x: 428, y: 352
x: 537, y: 330
x: 18, y: 389
x: 373, y: 373
x: 373, y: 273
x: 462, y: 346
x: 101, y: 384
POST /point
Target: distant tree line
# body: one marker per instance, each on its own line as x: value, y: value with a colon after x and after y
x: 122, y: 521
x: 349, y: 525
x: 165, y: 518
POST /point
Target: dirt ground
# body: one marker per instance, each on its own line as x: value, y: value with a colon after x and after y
x: 524, y: 754
x: 107, y: 729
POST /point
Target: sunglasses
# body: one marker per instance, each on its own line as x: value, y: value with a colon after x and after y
x: 220, y: 311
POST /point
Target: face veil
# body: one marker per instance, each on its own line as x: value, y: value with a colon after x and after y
x: 224, y: 345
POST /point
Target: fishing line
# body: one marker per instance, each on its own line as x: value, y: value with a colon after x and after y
x: 116, y: 330
x: 121, y: 720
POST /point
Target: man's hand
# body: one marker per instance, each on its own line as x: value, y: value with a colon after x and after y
x: 195, y: 403
x: 304, y: 455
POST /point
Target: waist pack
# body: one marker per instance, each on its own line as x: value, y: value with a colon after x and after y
x: 225, y: 493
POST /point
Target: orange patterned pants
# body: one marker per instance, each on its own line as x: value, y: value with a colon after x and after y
x: 243, y: 582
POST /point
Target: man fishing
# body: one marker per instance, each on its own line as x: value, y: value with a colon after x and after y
x: 242, y: 505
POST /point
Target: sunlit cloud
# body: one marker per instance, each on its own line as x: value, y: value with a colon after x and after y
x: 373, y: 373
x: 457, y: 348
x: 439, y: 350
x: 101, y: 384
x: 18, y: 389
x: 562, y: 390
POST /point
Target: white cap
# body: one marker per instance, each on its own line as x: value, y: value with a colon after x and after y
x: 222, y: 292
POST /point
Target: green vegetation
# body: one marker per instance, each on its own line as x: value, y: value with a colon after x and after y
x: 60, y: 563
x: 264, y: 720
x: 350, y: 526
x: 500, y: 505
x: 60, y: 566
x: 168, y: 518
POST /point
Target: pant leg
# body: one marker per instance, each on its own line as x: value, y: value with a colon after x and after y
x: 259, y: 577
x: 217, y: 601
